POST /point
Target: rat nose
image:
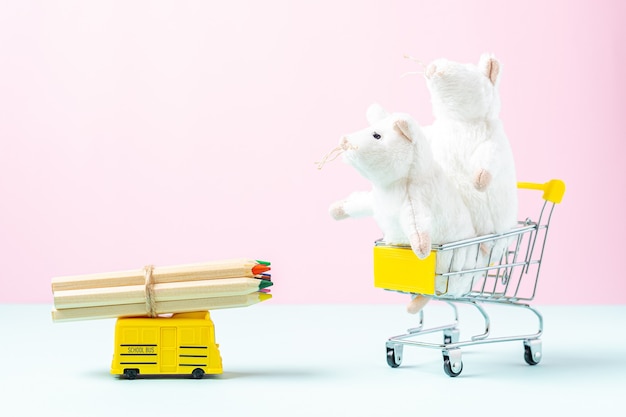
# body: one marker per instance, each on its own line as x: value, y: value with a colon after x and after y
x: 430, y: 70
x: 344, y: 144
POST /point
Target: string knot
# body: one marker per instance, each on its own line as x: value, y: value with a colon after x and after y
x: 149, y: 288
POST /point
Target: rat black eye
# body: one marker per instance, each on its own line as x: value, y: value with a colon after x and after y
x: 376, y: 135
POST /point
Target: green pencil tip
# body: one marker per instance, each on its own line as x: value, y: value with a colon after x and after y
x: 264, y: 263
x: 263, y: 283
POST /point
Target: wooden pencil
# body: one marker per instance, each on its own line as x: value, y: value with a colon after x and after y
x: 210, y: 270
x: 209, y: 288
x: 232, y: 268
x: 94, y: 297
x: 172, y: 291
x: 102, y: 280
x: 163, y: 307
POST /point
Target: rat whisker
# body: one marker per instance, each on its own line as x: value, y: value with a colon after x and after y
x: 412, y: 73
x: 415, y: 60
x: 330, y: 156
x: 335, y: 153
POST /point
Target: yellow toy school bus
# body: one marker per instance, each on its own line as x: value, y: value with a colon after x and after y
x: 181, y: 344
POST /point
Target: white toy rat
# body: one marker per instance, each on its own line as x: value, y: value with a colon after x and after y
x: 468, y: 140
x: 411, y: 200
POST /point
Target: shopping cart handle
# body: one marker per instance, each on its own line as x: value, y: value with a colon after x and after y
x: 553, y: 190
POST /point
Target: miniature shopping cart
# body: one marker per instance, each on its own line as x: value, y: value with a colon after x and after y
x: 506, y: 273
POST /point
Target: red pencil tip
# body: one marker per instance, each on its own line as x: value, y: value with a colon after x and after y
x: 259, y: 269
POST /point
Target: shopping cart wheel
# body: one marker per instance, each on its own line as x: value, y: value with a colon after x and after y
x: 452, y: 363
x: 532, y: 351
x: 394, y: 356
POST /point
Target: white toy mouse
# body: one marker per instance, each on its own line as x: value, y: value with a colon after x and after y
x: 411, y: 200
x: 469, y: 141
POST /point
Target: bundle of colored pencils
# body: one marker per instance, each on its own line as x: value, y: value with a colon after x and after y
x: 152, y: 291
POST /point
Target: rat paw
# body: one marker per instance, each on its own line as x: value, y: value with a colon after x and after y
x: 417, y: 303
x: 485, y: 248
x: 482, y: 179
x: 420, y: 243
x: 337, y: 211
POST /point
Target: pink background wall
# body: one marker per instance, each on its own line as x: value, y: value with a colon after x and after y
x: 172, y: 132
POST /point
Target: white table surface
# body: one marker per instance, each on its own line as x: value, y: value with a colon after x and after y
x: 316, y: 360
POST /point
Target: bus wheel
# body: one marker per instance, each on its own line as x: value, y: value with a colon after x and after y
x: 197, y: 373
x: 131, y: 373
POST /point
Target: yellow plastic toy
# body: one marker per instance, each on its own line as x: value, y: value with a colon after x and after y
x: 181, y: 344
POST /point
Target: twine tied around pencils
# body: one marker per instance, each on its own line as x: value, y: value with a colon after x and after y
x: 149, y: 288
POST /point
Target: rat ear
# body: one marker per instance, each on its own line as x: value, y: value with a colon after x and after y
x: 402, y: 127
x: 375, y: 113
x: 490, y: 66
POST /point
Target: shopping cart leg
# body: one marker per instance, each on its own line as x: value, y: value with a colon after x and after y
x: 451, y: 336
